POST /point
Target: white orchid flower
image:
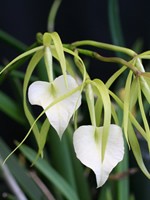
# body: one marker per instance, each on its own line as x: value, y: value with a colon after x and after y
x: 87, y: 142
x: 44, y: 93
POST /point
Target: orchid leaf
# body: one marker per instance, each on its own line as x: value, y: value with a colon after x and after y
x: 21, y: 174
x: 10, y: 108
x: 50, y: 173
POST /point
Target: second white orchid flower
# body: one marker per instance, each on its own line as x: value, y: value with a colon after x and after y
x: 44, y: 93
x: 88, y: 147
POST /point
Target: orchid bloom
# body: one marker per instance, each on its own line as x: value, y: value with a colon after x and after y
x: 44, y: 93
x: 87, y: 142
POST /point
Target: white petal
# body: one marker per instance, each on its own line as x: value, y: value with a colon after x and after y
x: 114, y: 150
x: 88, y: 150
x: 41, y: 93
x: 38, y: 93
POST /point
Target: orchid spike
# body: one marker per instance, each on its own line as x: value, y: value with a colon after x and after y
x: 87, y: 142
x: 44, y: 93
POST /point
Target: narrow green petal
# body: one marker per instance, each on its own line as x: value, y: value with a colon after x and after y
x: 133, y: 93
x: 60, y: 52
x: 82, y: 67
x: 145, y: 85
x: 112, y: 79
x: 114, y: 114
x: 47, y: 39
x: 144, y: 118
x: 137, y: 151
x: 132, y: 118
x: 90, y: 102
x: 20, y: 57
x: 43, y: 136
x: 103, y: 91
x: 98, y: 110
x: 33, y: 63
x: 126, y: 104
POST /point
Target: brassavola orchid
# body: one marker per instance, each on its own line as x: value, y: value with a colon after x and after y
x: 44, y: 93
x: 87, y: 142
x: 100, y: 145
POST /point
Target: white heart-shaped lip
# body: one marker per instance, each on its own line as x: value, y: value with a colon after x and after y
x: 88, y: 150
x: 44, y: 93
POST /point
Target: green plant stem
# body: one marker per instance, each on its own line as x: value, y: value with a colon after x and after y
x: 109, y: 59
x: 52, y: 15
x: 102, y: 45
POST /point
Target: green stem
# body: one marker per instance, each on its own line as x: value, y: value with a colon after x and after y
x: 52, y: 15
x: 103, y: 46
x: 110, y: 59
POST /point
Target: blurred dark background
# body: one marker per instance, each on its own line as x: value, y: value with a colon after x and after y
x: 76, y: 20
